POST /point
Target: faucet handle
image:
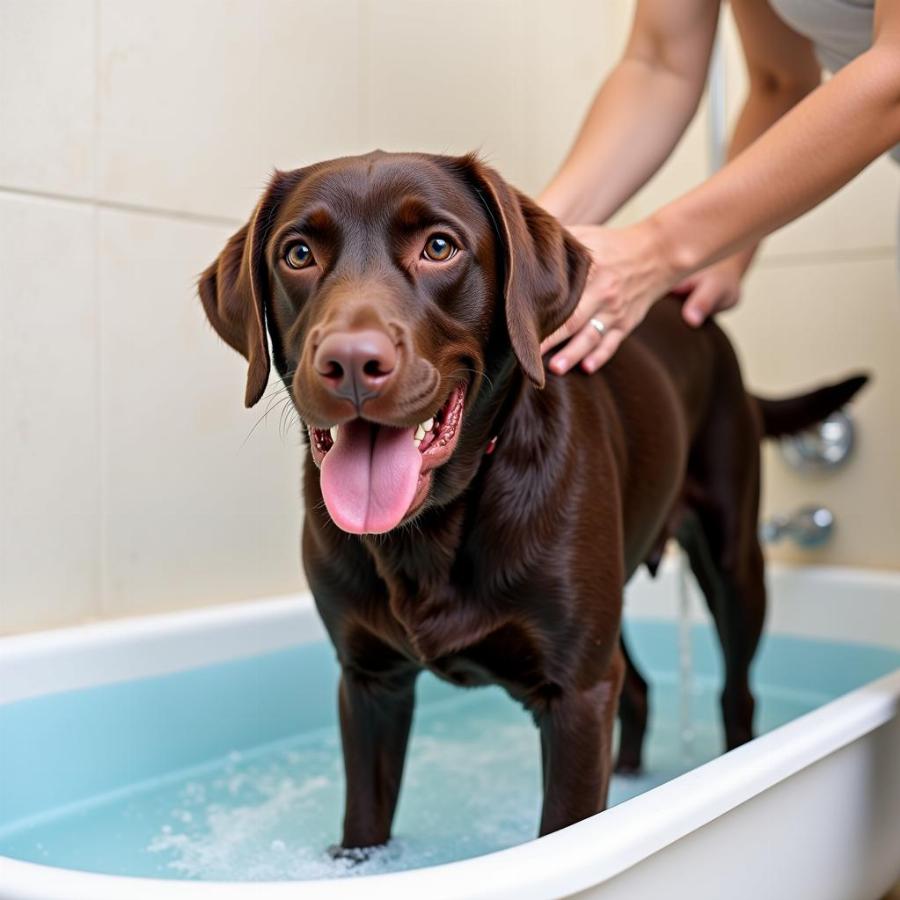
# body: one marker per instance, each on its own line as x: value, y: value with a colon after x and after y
x: 825, y: 446
x: 809, y: 526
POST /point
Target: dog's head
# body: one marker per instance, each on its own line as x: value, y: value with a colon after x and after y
x: 397, y: 290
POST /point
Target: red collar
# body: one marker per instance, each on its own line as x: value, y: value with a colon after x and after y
x: 492, y: 443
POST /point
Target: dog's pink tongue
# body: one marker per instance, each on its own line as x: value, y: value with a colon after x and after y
x: 369, y: 476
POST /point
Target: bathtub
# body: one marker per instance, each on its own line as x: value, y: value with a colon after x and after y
x: 809, y: 810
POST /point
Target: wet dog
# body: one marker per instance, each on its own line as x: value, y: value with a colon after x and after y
x: 466, y: 512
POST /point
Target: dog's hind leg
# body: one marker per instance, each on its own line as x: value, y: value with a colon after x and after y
x: 633, y: 711
x: 723, y: 547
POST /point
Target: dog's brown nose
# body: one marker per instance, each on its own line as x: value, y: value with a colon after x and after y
x: 356, y: 365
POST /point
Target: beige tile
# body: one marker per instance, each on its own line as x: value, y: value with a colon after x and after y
x: 309, y: 102
x: 570, y: 50
x: 200, y: 100
x: 195, y: 511
x: 175, y: 87
x: 802, y: 325
x: 530, y: 70
x: 49, y: 452
x: 447, y: 79
x: 47, y: 95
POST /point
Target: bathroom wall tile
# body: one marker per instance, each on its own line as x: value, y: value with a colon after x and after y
x: 201, y: 505
x: 47, y: 95
x: 49, y: 451
x: 569, y: 50
x: 510, y: 79
x: 309, y: 96
x: 803, y: 325
x: 447, y: 80
x: 862, y: 216
x: 199, y: 101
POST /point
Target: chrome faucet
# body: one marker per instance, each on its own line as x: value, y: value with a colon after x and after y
x: 822, y: 448
x: 809, y: 526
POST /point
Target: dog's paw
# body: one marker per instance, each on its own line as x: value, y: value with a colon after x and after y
x: 354, y: 855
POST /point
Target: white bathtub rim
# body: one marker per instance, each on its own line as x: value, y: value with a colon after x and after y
x: 84, y: 656
x: 585, y: 854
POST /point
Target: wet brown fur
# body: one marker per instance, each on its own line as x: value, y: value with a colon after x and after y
x: 513, y: 571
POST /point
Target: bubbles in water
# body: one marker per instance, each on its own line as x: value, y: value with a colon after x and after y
x: 273, y: 815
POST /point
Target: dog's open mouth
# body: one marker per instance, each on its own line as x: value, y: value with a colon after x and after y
x: 374, y: 476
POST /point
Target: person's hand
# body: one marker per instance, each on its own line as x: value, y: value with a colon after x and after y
x: 711, y: 290
x: 629, y: 272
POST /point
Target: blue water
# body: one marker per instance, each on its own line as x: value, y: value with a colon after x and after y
x: 233, y: 771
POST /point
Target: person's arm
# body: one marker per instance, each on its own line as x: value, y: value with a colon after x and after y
x: 811, y: 152
x: 640, y: 112
x: 814, y: 150
x: 782, y: 69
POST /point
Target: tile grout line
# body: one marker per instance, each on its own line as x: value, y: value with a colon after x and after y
x: 120, y: 206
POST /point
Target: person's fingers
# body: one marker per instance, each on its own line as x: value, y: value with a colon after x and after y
x: 700, y: 304
x: 608, y: 346
x: 576, y: 350
x: 571, y: 326
x: 686, y: 286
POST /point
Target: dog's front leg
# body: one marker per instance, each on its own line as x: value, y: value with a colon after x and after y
x: 376, y: 713
x: 576, y: 748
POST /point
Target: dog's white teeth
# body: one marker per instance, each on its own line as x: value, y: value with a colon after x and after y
x: 420, y: 433
x: 417, y: 441
x: 333, y: 431
x: 428, y: 424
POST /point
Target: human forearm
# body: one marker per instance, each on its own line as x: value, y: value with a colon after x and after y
x: 640, y: 111
x: 620, y: 146
x: 805, y: 157
x: 766, y: 103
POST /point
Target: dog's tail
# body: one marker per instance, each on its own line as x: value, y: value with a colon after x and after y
x: 792, y: 414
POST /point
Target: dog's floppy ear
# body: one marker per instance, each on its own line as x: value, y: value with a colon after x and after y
x: 234, y: 288
x: 545, y: 267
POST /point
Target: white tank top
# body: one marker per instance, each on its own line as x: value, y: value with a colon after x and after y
x: 840, y: 29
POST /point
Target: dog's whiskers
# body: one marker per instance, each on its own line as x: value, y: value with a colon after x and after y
x: 272, y: 405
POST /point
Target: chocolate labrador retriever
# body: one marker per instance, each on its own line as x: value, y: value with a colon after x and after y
x: 466, y: 512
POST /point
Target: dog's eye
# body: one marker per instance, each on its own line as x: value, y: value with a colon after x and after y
x: 439, y: 248
x: 298, y: 256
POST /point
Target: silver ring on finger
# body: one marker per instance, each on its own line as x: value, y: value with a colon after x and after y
x: 598, y: 326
